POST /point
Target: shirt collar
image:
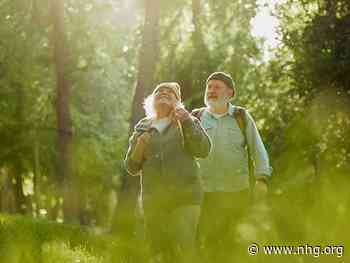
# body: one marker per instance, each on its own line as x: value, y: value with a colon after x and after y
x: 230, y: 110
x: 161, y: 124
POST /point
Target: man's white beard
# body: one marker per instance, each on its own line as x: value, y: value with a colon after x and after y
x: 217, y: 103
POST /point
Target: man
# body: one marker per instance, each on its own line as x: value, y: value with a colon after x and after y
x: 163, y: 148
x: 237, y: 157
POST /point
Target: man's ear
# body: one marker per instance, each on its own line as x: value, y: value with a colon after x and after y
x: 231, y: 92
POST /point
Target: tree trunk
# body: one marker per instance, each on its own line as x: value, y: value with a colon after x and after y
x: 17, y: 170
x: 21, y: 206
x: 7, y: 195
x: 148, y: 56
x: 37, y: 175
x: 198, y: 66
x: 64, y: 124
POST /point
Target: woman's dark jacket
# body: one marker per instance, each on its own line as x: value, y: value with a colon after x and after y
x: 169, y: 169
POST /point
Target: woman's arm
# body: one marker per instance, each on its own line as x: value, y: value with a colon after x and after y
x: 196, y: 139
x: 135, y: 155
x: 132, y: 165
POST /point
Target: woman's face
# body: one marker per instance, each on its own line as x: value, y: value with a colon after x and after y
x: 164, y: 97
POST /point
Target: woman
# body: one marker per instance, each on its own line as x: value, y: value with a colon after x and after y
x: 163, y: 149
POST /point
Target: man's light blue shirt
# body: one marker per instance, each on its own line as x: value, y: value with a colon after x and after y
x: 226, y: 167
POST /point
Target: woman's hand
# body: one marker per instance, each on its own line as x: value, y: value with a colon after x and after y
x: 141, y: 145
x: 143, y: 139
x: 181, y: 114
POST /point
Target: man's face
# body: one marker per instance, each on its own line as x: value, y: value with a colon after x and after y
x: 164, y: 96
x: 217, y: 93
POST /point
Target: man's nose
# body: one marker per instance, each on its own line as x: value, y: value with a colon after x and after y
x: 211, y: 90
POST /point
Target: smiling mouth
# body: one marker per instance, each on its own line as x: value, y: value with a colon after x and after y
x: 163, y: 96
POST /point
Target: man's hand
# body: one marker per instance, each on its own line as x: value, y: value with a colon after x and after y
x: 181, y: 114
x: 260, y: 190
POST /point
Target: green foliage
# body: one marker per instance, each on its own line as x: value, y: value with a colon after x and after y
x: 299, y: 99
x: 101, y: 71
x: 28, y: 240
x: 60, y: 252
x: 318, y: 41
x: 313, y: 64
x: 220, y: 40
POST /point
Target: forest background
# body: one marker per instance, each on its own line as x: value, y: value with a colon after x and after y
x: 73, y: 75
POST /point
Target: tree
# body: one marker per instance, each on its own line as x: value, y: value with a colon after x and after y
x: 64, y: 123
x: 218, y: 38
x: 148, y: 58
x: 318, y: 64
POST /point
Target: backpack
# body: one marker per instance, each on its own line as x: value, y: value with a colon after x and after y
x: 240, y: 117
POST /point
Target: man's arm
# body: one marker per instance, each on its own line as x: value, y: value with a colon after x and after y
x: 257, y: 149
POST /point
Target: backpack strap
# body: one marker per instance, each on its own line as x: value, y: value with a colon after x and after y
x: 241, y: 120
x: 240, y: 116
x: 198, y: 113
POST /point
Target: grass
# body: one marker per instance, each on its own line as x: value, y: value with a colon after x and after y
x: 316, y: 214
x: 29, y: 240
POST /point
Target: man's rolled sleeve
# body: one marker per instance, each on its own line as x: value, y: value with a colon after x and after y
x: 257, y: 149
